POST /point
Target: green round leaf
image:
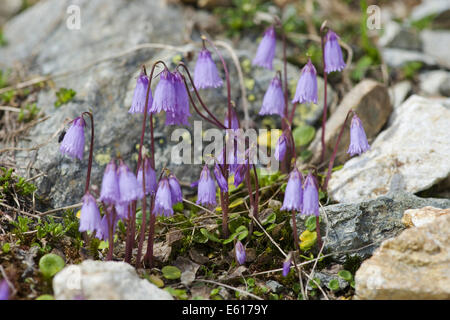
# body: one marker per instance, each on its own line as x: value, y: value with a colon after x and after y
x: 45, y: 297
x: 210, y: 235
x: 346, y: 275
x: 171, y: 272
x: 303, y: 135
x: 333, y: 284
x: 156, y: 281
x: 50, y: 264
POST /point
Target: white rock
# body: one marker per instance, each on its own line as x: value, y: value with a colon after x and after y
x: 415, y: 149
x: 412, y: 266
x: 100, y: 280
x: 429, y: 7
x: 422, y: 216
x: 431, y: 81
x: 398, y: 57
x: 435, y: 44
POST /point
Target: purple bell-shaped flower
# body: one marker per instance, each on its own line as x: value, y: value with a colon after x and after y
x: 239, y: 251
x: 206, y: 74
x: 165, y: 96
x: 206, y: 195
x: 73, y: 142
x: 163, y: 199
x: 266, y: 49
x: 90, y: 219
x: 310, y: 196
x: 293, y: 196
x: 307, y: 85
x: 273, y: 101
x: 140, y: 95
x: 333, y: 53
x: 358, y: 139
x: 110, y: 184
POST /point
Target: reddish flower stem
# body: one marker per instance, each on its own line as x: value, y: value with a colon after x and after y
x: 91, y: 151
x: 319, y: 238
x: 324, y: 116
x: 294, y: 231
x: 333, y: 156
x: 256, y: 209
x: 111, y: 217
x: 149, y: 255
x: 217, y: 122
x: 229, y: 105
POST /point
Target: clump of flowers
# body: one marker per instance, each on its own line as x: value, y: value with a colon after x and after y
x: 158, y: 190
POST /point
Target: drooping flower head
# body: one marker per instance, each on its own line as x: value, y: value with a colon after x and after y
x: 231, y: 158
x: 103, y: 231
x: 205, y: 72
x: 140, y: 95
x: 150, y: 176
x: 181, y: 113
x: 287, y: 265
x: 4, y: 290
x: 273, y: 101
x: 90, y: 215
x: 129, y: 188
x: 266, y: 49
x: 110, y: 184
x: 293, y: 196
x: 163, y: 199
x: 234, y: 120
x: 239, y: 251
x: 206, y: 195
x: 221, y: 181
x: 240, y: 172
x: 165, y: 96
x: 310, y: 196
x: 73, y: 142
x: 358, y: 139
x: 122, y: 210
x: 175, y: 189
x: 333, y: 53
x: 281, y: 146
x: 307, y: 85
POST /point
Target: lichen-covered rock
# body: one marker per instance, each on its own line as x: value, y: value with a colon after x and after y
x: 413, y: 265
x: 358, y: 228
x: 414, y: 148
x: 104, y: 280
x: 422, y: 216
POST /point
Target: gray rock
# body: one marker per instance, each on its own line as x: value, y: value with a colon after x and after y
x: 397, y: 58
x: 356, y: 225
x: 274, y: 286
x: 407, y: 150
x: 435, y: 44
x: 371, y: 102
x: 398, y: 36
x: 101, y: 62
x: 412, y: 266
x: 325, y: 279
x: 444, y: 89
x: 431, y: 81
x: 100, y: 280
